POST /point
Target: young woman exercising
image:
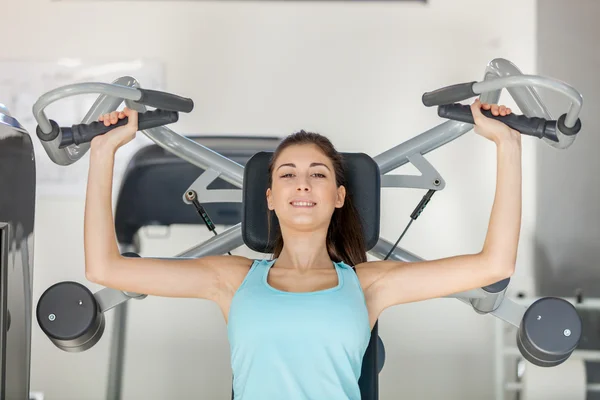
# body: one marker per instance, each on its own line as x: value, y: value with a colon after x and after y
x: 299, y: 324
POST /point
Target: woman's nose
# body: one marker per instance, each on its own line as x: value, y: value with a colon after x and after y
x: 303, y: 187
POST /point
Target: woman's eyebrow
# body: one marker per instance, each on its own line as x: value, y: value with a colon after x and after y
x: 294, y: 165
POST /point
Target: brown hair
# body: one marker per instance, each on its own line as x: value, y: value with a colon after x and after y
x: 345, y: 237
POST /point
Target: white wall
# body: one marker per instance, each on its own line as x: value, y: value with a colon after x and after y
x: 353, y: 71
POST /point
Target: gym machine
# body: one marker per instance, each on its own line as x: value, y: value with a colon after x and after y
x: 17, y: 214
x: 549, y: 329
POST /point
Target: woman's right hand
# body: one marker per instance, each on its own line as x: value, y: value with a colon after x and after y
x: 119, y: 136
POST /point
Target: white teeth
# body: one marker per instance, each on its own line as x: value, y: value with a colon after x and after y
x: 303, y: 203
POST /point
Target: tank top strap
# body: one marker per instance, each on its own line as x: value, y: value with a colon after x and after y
x: 254, y: 277
x: 349, y: 273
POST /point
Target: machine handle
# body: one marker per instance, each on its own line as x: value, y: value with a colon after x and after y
x: 532, y: 126
x: 449, y: 94
x: 84, y: 133
x: 165, y: 101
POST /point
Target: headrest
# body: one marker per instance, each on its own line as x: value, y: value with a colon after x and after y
x: 362, y: 175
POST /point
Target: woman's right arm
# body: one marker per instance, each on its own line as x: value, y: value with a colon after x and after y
x: 206, y: 277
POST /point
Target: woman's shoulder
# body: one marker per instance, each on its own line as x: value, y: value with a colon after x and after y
x: 368, y: 272
x: 233, y: 266
x: 233, y: 261
x: 232, y: 270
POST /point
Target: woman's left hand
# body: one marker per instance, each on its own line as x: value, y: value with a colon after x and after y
x: 492, y: 129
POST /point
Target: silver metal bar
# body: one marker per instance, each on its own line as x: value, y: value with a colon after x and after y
x: 422, y: 144
x: 193, y: 152
x: 27, y: 269
x: 383, y: 247
x: 429, y: 178
x: 110, y: 89
x: 499, y: 366
x: 116, y: 361
x: 104, y: 104
x: 225, y: 241
x: 498, y: 75
x: 114, y: 389
x: 205, y: 196
x: 125, y: 88
x: 533, y: 80
x: 489, y: 303
x: 526, y: 97
x: 109, y: 298
x: 5, y: 249
x: 515, y: 387
x: 508, y: 311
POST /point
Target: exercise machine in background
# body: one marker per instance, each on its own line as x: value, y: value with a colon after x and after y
x: 17, y: 215
x: 541, y: 326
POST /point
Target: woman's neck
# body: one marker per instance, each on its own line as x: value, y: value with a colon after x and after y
x: 305, y: 251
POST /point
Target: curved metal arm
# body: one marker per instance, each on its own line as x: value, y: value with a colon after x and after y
x: 50, y: 97
x: 105, y: 103
x: 112, y: 95
x: 527, y: 98
x: 502, y: 74
x: 531, y: 80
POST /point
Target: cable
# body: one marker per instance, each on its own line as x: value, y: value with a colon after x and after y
x: 398, y: 241
x: 413, y: 217
x: 191, y: 196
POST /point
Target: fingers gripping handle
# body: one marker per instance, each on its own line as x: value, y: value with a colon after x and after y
x: 84, y: 133
x: 449, y: 94
x: 532, y: 126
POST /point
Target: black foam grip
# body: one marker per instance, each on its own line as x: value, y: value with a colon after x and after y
x: 84, y: 133
x: 532, y: 126
x: 165, y: 101
x: 449, y: 94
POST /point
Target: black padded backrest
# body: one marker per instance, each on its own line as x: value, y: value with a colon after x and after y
x: 364, y: 184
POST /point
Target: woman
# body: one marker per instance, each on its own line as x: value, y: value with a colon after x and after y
x: 299, y: 324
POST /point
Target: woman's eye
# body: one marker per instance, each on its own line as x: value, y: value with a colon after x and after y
x: 318, y: 175
x: 287, y: 175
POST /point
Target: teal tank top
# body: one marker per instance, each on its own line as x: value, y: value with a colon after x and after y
x: 297, y: 346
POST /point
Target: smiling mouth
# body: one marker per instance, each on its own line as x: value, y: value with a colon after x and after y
x: 303, y: 204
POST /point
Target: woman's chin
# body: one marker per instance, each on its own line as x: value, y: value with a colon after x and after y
x: 304, y: 222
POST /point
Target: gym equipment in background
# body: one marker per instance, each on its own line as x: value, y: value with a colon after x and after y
x: 542, y: 324
x: 17, y: 214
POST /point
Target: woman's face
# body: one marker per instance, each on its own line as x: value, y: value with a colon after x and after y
x: 304, y: 192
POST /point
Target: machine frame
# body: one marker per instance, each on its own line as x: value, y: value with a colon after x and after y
x: 499, y: 74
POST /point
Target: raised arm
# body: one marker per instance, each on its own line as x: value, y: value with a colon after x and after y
x: 388, y: 283
x: 205, y: 277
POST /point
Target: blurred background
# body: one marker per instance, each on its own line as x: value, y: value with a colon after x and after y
x: 354, y: 71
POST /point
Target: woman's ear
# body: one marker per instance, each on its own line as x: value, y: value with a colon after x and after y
x: 341, y: 196
x: 270, y: 199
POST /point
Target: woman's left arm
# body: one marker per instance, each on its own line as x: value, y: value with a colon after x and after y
x: 388, y: 283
